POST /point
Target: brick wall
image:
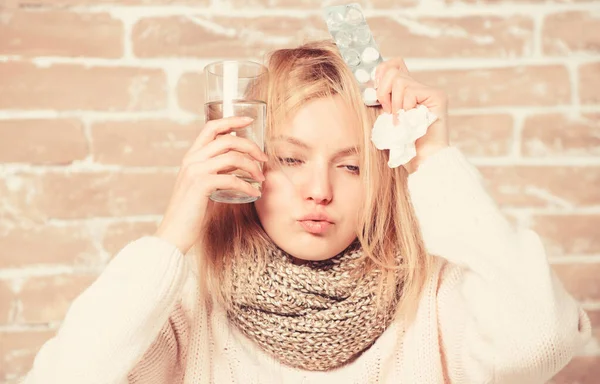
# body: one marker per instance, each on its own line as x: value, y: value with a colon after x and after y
x: 99, y: 99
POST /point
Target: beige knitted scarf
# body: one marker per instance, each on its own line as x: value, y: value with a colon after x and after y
x: 315, y: 316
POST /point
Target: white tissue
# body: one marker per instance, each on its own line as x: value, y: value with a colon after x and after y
x: 400, y: 138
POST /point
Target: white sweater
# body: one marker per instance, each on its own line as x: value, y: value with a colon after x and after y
x: 493, y: 311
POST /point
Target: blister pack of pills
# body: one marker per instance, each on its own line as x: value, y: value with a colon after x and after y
x: 352, y: 35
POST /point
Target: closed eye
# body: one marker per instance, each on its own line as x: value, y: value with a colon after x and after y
x: 289, y: 161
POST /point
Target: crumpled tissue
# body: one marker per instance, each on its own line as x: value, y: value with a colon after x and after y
x: 400, y: 138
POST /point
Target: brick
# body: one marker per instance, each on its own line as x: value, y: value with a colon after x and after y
x: 7, y: 302
x: 17, y: 351
x: 42, y: 141
x: 581, y: 280
x: 313, y: 4
x: 80, y: 195
x: 190, y: 93
x: 482, y: 135
x: 47, y: 299
x: 118, y: 235
x: 568, y: 234
x: 60, y: 33
x: 253, y: 37
x: 580, y: 370
x: 473, y: 36
x: 565, y: 33
x: 143, y: 143
x: 542, y: 186
x: 46, y: 245
x: 560, y: 135
x: 37, y: 4
x: 74, y: 87
x: 492, y: 87
x: 310, y: 4
x: 15, y: 191
x: 225, y: 37
x: 589, y: 83
x: 520, y: 2
x: 594, y: 316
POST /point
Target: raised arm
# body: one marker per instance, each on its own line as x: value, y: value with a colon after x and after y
x: 503, y: 315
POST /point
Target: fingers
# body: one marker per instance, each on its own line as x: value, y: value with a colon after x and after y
x: 409, y: 99
x: 397, y: 63
x: 233, y: 160
x: 393, y: 81
x: 403, y: 92
x: 399, y: 90
x: 214, y: 128
x: 201, y: 174
x: 225, y: 143
x: 196, y: 179
x: 215, y: 153
x: 384, y: 88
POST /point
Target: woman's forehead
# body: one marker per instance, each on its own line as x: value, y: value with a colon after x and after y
x: 328, y: 117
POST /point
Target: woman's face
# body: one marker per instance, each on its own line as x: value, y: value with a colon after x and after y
x: 310, y: 205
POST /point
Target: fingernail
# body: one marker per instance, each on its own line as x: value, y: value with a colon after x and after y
x: 248, y: 119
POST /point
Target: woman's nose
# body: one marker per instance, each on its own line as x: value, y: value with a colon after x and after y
x: 317, y: 185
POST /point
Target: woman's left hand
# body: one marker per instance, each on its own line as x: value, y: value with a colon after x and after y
x: 396, y: 90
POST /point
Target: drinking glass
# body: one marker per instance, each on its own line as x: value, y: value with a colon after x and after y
x: 238, y: 88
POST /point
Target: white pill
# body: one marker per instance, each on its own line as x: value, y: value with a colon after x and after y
x: 370, y: 54
x: 361, y: 75
x: 370, y: 96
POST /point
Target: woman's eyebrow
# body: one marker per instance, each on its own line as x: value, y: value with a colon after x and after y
x: 292, y: 140
x: 350, y: 151
x: 346, y: 152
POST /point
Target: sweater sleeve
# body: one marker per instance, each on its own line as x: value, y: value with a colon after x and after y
x: 109, y: 327
x: 503, y: 316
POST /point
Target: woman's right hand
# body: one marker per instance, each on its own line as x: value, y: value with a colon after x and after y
x: 203, y: 171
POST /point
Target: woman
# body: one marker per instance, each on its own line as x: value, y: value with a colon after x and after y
x: 345, y: 270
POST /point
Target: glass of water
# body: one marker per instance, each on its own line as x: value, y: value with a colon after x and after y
x: 238, y: 88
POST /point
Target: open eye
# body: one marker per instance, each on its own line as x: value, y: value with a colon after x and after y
x: 352, y: 168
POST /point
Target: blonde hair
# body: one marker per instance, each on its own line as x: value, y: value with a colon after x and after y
x: 388, y: 226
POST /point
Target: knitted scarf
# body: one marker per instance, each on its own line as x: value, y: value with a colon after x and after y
x: 315, y: 316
